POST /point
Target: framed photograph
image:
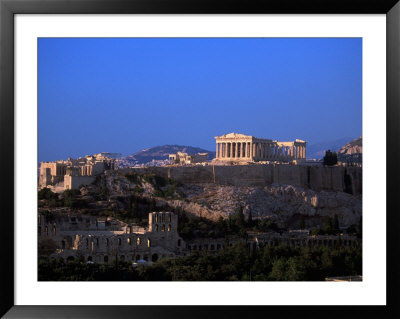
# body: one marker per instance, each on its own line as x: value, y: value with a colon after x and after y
x: 184, y: 159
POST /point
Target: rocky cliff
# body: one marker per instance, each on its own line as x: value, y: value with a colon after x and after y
x: 281, y: 203
x: 351, y: 152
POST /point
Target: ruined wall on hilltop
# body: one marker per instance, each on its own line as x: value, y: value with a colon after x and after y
x: 337, y: 178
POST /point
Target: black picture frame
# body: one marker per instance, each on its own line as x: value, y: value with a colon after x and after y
x: 8, y: 8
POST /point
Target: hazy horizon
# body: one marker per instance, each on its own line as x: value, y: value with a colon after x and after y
x: 125, y: 95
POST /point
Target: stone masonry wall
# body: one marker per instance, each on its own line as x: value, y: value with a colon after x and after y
x: 336, y: 178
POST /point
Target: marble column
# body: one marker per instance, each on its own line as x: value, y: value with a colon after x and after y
x: 258, y: 151
x: 263, y: 151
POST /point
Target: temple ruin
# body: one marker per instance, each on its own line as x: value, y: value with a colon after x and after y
x: 234, y: 147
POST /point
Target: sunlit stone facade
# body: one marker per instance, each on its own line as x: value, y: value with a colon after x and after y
x: 236, y: 147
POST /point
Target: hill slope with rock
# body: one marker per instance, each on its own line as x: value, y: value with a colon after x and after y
x: 351, y: 152
x: 285, y: 205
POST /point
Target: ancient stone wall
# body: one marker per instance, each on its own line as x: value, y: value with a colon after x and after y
x: 336, y: 178
x: 74, y: 182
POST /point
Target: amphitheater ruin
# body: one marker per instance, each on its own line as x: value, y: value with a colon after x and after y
x: 104, y: 240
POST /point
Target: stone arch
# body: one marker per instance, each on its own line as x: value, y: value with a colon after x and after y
x: 169, y: 218
x: 146, y: 257
x: 97, y: 242
x: 107, y: 242
x: 169, y: 227
x: 89, y: 258
x: 54, y: 230
x: 179, y: 242
x: 63, y: 244
x: 105, y: 259
x: 162, y: 227
x: 119, y: 242
x: 129, y: 241
x: 156, y: 227
x: 138, y: 257
x: 154, y: 257
x: 138, y: 241
x: 148, y: 242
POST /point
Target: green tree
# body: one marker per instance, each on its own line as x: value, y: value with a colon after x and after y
x: 250, y: 219
x: 47, y: 247
x: 335, y: 223
x: 239, y: 218
x: 302, y: 223
x: 359, y: 228
x: 46, y: 193
x: 330, y: 158
x: 328, y: 228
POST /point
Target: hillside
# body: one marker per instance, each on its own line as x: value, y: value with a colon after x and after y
x: 158, y: 155
x: 351, y: 152
x: 317, y: 151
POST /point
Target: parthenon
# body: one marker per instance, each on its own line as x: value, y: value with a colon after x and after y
x: 234, y: 147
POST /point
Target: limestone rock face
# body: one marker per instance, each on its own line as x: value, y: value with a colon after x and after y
x: 280, y: 203
x: 277, y: 202
x: 354, y: 147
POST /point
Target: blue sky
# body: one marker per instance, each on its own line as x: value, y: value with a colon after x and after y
x: 126, y: 94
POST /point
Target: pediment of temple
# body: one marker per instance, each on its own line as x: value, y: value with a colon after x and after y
x: 235, y: 135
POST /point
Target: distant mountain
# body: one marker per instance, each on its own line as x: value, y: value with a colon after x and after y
x: 318, y: 150
x: 351, y: 152
x: 159, y: 155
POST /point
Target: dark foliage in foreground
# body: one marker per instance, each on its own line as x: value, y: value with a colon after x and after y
x: 235, y: 263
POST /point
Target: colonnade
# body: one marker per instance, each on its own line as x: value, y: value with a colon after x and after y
x: 253, y: 150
